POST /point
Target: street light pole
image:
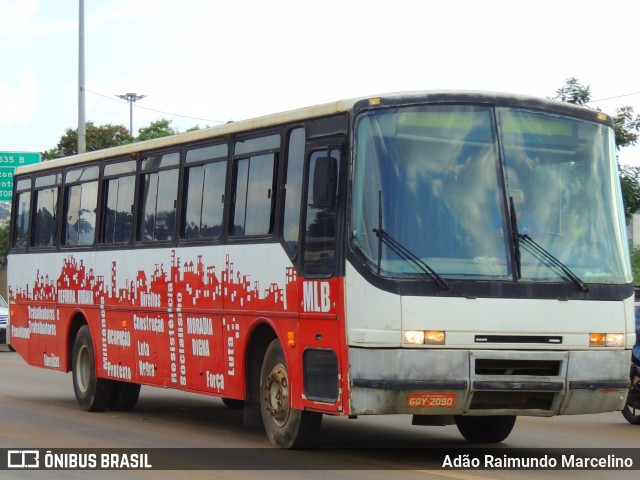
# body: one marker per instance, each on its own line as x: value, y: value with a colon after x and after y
x: 131, y: 98
x: 82, y: 128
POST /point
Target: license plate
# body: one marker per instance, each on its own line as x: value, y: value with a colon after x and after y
x: 431, y: 400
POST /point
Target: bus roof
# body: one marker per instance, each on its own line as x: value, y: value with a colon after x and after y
x: 326, y: 109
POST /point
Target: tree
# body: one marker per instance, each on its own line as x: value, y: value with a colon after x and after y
x: 4, y: 243
x: 106, y: 136
x: 574, y: 92
x: 627, y: 127
x: 630, y: 182
x: 97, y: 138
x: 635, y: 263
x: 159, y: 128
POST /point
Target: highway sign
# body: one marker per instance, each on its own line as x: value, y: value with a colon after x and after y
x: 8, y: 163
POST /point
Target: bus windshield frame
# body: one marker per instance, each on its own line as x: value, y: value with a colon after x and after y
x: 460, y: 185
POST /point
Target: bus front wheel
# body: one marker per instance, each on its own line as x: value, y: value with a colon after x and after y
x: 491, y: 429
x: 285, y: 426
x: 232, y: 403
x: 93, y: 393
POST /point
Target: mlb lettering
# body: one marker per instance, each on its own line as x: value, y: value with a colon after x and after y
x: 316, y: 296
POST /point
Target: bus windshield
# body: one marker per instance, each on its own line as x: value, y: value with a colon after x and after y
x: 458, y: 186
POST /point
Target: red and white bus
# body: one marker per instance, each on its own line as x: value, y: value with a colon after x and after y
x: 457, y: 256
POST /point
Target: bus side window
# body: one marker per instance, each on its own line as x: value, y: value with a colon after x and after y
x: 80, y: 206
x: 79, y: 218
x: 293, y: 189
x: 252, y: 212
x: 21, y: 225
x: 45, y: 221
x: 204, y: 185
x: 159, y: 198
x: 119, y: 198
x: 320, y: 233
x: 253, y: 186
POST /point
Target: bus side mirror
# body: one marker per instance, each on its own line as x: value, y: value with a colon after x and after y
x: 325, y: 182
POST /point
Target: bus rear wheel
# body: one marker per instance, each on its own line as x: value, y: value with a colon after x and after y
x: 285, y: 426
x: 492, y: 429
x: 124, y: 396
x: 93, y: 393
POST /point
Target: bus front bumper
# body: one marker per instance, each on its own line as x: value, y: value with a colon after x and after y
x: 487, y: 382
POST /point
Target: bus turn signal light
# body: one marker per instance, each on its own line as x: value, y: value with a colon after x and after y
x: 434, y: 337
x: 596, y: 339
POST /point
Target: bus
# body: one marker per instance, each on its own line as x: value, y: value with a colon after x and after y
x: 456, y: 256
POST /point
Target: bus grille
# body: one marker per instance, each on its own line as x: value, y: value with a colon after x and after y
x: 501, y: 367
x: 512, y: 400
x: 539, y: 339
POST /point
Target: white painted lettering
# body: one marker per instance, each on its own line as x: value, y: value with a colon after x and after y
x: 316, y: 297
x: 146, y: 369
x: 200, y: 347
x: 143, y: 349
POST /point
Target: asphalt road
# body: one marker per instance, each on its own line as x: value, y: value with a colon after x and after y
x: 38, y: 410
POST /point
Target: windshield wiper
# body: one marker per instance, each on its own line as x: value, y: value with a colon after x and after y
x: 515, y: 236
x: 409, y: 256
x: 538, y: 251
x: 548, y: 259
x: 402, y: 251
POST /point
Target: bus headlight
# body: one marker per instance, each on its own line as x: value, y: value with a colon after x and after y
x: 424, y: 337
x: 614, y: 340
x: 414, y: 337
x: 606, y: 340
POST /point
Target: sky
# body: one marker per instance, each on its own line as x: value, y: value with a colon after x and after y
x: 204, y: 62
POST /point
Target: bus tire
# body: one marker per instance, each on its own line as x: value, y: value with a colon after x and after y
x: 285, y: 426
x: 491, y: 429
x: 124, y: 396
x: 93, y: 393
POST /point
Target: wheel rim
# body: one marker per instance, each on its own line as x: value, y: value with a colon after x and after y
x: 83, y: 369
x: 277, y: 395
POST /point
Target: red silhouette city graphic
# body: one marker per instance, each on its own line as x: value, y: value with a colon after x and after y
x: 200, y: 285
x: 181, y: 326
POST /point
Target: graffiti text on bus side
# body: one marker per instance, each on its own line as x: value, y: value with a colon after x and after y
x: 118, y: 371
x: 147, y: 323
x: 150, y: 299
x: 71, y: 296
x: 215, y: 381
x: 317, y: 296
x: 41, y: 313
x: 52, y: 361
x: 146, y: 369
x: 199, y: 326
x: 200, y: 347
x: 122, y: 338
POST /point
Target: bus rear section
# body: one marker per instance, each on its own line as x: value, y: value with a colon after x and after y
x: 208, y: 262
